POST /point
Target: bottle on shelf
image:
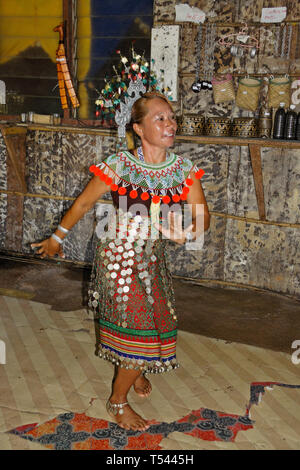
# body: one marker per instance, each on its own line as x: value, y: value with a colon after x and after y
x: 279, y: 122
x: 265, y: 122
x: 290, y: 123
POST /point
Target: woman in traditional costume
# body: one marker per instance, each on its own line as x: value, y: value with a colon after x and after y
x: 131, y: 286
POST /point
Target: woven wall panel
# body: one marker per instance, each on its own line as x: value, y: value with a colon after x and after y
x: 3, y: 214
x: 235, y: 250
x: 263, y: 256
x: 44, y: 163
x: 3, y: 165
x: 207, y: 262
x: 58, y: 166
x: 3, y: 197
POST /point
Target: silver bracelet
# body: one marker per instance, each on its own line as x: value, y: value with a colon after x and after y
x: 57, y: 238
x: 62, y: 229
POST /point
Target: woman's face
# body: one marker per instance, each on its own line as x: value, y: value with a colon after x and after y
x: 158, y: 127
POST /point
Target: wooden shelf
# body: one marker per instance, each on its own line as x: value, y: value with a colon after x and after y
x: 240, y: 141
x: 72, y: 129
x: 254, y: 145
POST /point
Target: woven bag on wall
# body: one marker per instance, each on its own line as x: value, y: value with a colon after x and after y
x: 279, y: 91
x: 248, y: 93
x: 223, y: 90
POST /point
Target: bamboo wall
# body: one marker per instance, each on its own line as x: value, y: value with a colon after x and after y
x: 239, y: 249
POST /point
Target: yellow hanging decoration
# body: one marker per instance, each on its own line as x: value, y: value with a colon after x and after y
x: 63, y: 74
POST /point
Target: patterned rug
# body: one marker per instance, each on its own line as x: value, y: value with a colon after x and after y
x: 75, y: 431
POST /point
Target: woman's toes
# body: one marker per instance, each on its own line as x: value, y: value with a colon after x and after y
x: 130, y: 420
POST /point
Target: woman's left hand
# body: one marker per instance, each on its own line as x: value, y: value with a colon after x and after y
x: 174, y: 231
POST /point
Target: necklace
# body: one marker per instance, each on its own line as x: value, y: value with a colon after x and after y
x: 142, y: 158
x: 283, y: 39
x: 276, y: 32
x: 155, y: 203
x: 147, y: 177
x: 168, y: 181
x: 152, y: 191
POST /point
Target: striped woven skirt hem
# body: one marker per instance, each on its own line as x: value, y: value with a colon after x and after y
x: 144, y: 350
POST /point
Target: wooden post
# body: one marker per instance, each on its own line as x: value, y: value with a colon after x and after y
x: 258, y: 179
x: 14, y: 138
x: 15, y: 141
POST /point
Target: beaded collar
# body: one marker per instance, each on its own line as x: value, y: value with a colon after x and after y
x: 173, y: 175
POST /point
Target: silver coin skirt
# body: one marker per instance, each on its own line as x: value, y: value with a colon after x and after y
x: 132, y: 297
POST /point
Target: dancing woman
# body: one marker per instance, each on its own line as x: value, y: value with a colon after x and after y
x: 131, y: 286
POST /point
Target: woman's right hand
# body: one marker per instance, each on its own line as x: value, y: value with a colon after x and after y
x: 174, y: 231
x: 48, y: 248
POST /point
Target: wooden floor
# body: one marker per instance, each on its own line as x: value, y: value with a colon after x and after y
x: 51, y: 368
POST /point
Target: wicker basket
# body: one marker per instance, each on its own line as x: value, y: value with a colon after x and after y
x: 279, y: 92
x: 223, y: 90
x: 245, y: 127
x: 191, y: 124
x: 248, y: 93
x: 218, y: 126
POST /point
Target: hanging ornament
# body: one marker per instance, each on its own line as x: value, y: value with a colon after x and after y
x: 209, y: 53
x: 197, y: 85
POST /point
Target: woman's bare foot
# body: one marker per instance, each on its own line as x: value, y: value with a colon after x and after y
x: 142, y: 386
x: 125, y: 416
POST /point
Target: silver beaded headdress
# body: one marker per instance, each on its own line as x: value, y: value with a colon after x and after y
x: 123, y: 115
x: 130, y: 82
